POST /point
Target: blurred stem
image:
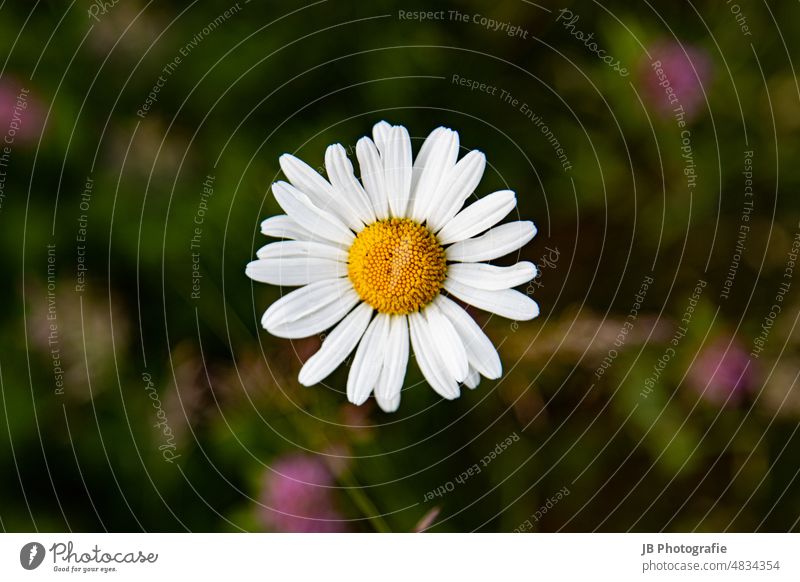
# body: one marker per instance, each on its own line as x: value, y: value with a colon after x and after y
x: 363, y: 502
x: 321, y: 441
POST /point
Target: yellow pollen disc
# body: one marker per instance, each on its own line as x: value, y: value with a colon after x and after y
x: 397, y: 266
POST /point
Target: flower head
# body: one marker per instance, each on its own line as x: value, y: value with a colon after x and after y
x: 375, y: 258
x: 687, y: 70
x: 297, y: 498
x: 721, y: 373
x: 21, y: 113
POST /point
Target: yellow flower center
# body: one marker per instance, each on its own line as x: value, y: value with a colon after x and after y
x: 397, y: 266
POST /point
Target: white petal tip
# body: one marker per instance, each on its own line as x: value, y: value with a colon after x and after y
x: 472, y: 383
x: 532, y: 313
x: 493, y: 368
x: 275, y: 329
x: 389, y: 407
x: 359, y: 400
x: 305, y: 378
x: 269, y: 321
x: 506, y: 195
x: 476, y: 157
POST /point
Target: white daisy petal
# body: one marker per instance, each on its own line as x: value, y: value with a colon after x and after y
x: 495, y: 243
x: 319, y: 191
x: 491, y: 277
x: 473, y: 379
x: 395, y: 361
x: 319, y: 320
x: 336, y: 347
x: 372, y: 175
x: 293, y: 249
x: 459, y: 183
x: 387, y: 404
x: 428, y: 360
x: 481, y: 352
x: 506, y: 302
x: 397, y: 167
x: 436, y: 158
x: 422, y: 157
x: 368, y: 361
x: 282, y: 226
x: 310, y: 217
x: 380, y: 135
x: 343, y: 179
x: 477, y: 217
x: 294, y: 271
x: 448, y: 343
x: 306, y: 179
x: 304, y: 301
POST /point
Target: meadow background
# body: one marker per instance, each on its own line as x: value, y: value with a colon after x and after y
x: 656, y: 391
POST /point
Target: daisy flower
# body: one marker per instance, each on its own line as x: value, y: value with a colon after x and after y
x: 380, y: 258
